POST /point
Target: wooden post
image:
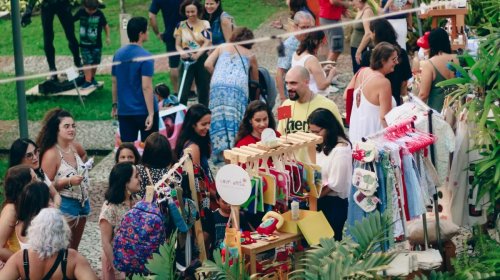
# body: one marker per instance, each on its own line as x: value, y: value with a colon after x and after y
x: 198, y: 229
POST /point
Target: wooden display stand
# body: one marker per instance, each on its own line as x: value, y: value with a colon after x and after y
x: 187, y: 165
x: 288, y: 144
x: 457, y: 17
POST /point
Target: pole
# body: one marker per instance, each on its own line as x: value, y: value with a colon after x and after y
x: 419, y: 21
x: 19, y: 65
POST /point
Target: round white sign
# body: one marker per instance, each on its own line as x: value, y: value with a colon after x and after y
x: 233, y: 184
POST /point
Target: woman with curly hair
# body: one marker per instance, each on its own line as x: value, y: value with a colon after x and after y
x: 257, y: 117
x: 48, y: 255
x: 230, y: 66
x: 62, y: 159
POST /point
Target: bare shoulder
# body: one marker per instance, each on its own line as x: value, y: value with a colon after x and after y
x: 51, y: 155
x: 79, y: 149
x: 8, y: 215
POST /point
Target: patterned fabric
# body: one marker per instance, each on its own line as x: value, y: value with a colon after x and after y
x: 113, y: 213
x: 66, y: 170
x: 140, y: 234
x: 228, y: 99
x: 156, y: 174
x: 192, y: 37
x: 291, y: 44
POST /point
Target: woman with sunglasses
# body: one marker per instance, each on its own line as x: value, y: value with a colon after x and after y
x: 25, y: 151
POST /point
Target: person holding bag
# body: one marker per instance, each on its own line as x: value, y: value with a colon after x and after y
x: 230, y: 66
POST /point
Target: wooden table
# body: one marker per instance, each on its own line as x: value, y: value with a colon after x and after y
x: 457, y: 17
x: 260, y: 246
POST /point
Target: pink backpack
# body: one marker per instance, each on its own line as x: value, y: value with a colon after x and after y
x: 140, y: 234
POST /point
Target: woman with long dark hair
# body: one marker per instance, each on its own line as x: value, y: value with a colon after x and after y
x: 435, y: 69
x: 63, y: 160
x: 124, y: 181
x: 334, y: 155
x: 382, y: 31
x: 231, y: 66
x: 221, y: 23
x: 16, y: 179
x: 305, y: 56
x: 25, y: 151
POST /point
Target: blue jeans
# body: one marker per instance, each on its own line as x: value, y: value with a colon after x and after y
x: 73, y: 208
x: 415, y: 200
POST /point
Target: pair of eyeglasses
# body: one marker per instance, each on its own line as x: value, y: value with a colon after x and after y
x: 31, y: 155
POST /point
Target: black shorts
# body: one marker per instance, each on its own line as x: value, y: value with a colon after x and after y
x: 173, y: 61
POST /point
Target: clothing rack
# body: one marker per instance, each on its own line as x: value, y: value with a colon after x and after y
x: 259, y: 151
x: 435, y: 197
x: 187, y: 165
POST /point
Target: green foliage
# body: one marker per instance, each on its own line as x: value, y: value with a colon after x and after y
x: 347, y: 259
x: 482, y: 13
x: 448, y: 276
x: 479, y: 78
x: 220, y: 270
x: 162, y: 265
x: 97, y: 104
x: 245, y: 12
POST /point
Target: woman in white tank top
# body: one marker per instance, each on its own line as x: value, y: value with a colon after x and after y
x: 305, y: 57
x: 372, y: 98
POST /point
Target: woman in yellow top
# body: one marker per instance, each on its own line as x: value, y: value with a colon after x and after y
x: 193, y: 34
x: 17, y: 177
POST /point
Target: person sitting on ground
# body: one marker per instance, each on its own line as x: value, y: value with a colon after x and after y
x: 127, y: 152
x: 33, y: 199
x: 124, y: 181
x: 92, y: 21
x: 25, y: 151
x: 435, y: 69
x: 156, y: 160
x: 16, y: 179
x: 165, y: 99
x: 48, y: 256
x: 305, y: 56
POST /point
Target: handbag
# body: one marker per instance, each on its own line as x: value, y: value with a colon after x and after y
x: 349, y: 100
x: 253, y: 86
x: 365, y: 181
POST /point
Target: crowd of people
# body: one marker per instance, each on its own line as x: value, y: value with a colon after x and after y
x: 47, y: 185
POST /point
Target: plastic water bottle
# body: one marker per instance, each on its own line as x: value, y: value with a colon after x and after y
x: 295, y: 210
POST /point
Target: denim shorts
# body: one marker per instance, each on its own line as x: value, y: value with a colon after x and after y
x: 72, y: 208
x: 334, y: 36
x: 91, y: 56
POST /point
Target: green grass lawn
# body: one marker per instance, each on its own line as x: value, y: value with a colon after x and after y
x: 250, y: 13
x: 97, y: 104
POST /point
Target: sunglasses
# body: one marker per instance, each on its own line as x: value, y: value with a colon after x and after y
x: 32, y: 155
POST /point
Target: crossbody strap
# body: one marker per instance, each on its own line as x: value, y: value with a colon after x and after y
x: 54, y: 267
x: 26, y: 264
x: 242, y: 62
x: 64, y: 263
x: 149, y: 176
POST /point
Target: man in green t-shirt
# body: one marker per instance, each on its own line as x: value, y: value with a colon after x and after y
x: 303, y: 102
